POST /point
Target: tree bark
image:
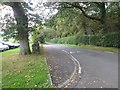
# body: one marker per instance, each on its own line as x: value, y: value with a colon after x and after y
x: 118, y: 15
x: 103, y: 17
x: 36, y: 48
x: 22, y: 27
x: 84, y: 27
x: 24, y: 43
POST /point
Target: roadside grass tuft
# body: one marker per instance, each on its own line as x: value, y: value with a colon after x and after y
x: 30, y: 71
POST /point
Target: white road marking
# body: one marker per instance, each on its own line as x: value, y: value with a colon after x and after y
x: 72, y: 52
x: 67, y: 81
x: 65, y: 51
x: 78, y: 51
x: 79, y: 71
x: 74, y: 72
x: 77, y: 63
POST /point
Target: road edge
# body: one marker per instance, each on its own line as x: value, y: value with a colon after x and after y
x: 49, y: 73
x: 75, y: 72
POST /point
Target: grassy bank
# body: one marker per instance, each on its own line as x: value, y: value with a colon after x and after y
x: 29, y: 71
x: 97, y: 48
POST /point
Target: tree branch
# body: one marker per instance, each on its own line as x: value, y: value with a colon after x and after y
x: 81, y: 8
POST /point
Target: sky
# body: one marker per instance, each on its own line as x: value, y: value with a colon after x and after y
x: 42, y: 11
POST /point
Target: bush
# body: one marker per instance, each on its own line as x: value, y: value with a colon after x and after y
x: 82, y: 40
x: 95, y: 40
x: 42, y: 39
x: 107, y: 40
x: 65, y: 40
x: 54, y: 40
x: 110, y: 40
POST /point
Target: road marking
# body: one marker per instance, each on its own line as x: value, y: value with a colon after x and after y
x: 68, y: 80
x: 72, y: 52
x: 74, y: 72
x: 74, y: 59
x: 77, y: 63
x: 65, y: 51
x: 78, y: 51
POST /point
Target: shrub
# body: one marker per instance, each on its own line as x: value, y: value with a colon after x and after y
x: 82, y: 40
x: 95, y: 40
x: 111, y: 40
x: 107, y: 40
x: 42, y: 39
x: 65, y: 40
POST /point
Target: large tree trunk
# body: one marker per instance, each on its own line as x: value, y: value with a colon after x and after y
x: 24, y: 43
x: 22, y: 27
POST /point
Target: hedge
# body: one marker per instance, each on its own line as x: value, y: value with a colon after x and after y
x: 111, y: 40
x: 65, y: 40
x: 86, y: 40
x: 107, y: 40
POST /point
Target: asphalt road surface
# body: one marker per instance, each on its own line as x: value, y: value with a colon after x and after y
x: 98, y: 69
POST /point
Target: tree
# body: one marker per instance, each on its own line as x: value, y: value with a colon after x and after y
x: 95, y: 11
x: 22, y: 26
x: 74, y: 17
x: 9, y: 28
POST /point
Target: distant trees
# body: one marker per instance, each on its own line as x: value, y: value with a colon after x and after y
x: 98, y: 11
x: 41, y: 32
x: 74, y: 18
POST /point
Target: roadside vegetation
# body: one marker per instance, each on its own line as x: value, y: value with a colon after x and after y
x: 98, y: 32
x: 107, y: 42
x: 30, y: 71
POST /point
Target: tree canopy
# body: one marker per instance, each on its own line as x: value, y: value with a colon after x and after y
x: 59, y: 19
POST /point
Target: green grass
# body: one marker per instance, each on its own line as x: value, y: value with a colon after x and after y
x: 29, y: 71
x: 97, y: 48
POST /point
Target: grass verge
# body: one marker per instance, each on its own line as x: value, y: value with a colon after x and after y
x: 29, y: 71
x: 96, y: 48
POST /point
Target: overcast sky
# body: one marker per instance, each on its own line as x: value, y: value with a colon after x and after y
x: 41, y: 10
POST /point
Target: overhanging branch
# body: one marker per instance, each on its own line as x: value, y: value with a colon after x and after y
x: 83, y: 12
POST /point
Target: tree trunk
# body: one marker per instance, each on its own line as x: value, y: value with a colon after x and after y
x: 103, y: 17
x: 118, y: 15
x: 36, y: 48
x: 22, y: 27
x: 24, y: 43
x: 84, y: 27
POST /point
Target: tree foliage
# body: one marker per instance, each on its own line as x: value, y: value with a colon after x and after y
x: 74, y: 18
